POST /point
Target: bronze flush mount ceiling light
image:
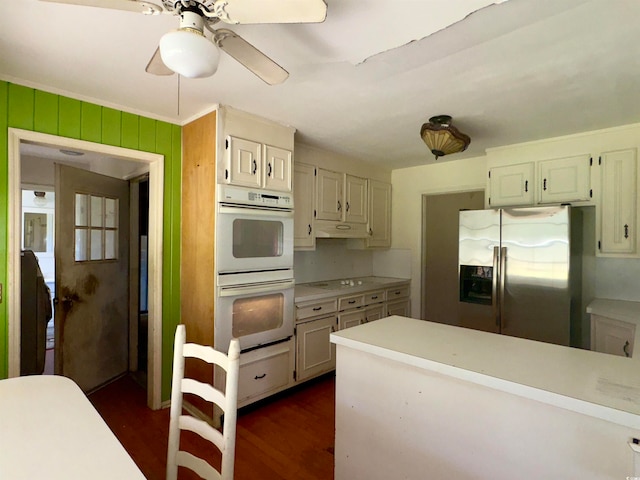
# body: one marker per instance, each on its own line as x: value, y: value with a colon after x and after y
x: 442, y: 138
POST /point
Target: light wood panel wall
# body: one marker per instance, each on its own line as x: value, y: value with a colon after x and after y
x: 198, y: 228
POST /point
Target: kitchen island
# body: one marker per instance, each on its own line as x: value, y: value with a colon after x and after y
x: 416, y: 399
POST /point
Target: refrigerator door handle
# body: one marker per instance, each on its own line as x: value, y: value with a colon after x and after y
x: 494, y: 286
x: 503, y: 278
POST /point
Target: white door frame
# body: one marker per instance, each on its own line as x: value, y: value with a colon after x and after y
x: 155, y: 164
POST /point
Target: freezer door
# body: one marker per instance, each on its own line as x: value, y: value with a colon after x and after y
x: 535, y: 299
x: 479, y: 235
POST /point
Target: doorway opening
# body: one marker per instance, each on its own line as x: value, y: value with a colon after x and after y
x: 144, y: 168
x: 440, y: 252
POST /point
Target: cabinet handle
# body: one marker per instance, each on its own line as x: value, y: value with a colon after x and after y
x: 269, y: 169
x: 374, y: 297
x: 339, y: 206
x: 347, y: 206
x: 351, y: 302
x: 255, y: 166
x: 544, y: 184
x: 625, y: 349
x: 370, y: 232
x: 526, y: 185
x: 258, y: 377
x: 317, y: 309
x: 626, y: 230
x: 309, y: 229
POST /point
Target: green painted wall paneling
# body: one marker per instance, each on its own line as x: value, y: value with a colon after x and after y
x: 29, y: 109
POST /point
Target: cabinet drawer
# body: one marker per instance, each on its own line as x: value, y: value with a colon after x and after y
x: 371, y: 298
x: 352, y: 301
x: 315, y: 309
x: 265, y: 369
x: 398, y: 292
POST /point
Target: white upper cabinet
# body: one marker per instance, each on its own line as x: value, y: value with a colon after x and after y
x: 379, y: 214
x: 355, y: 199
x: 253, y: 164
x: 618, y: 205
x: 277, y: 169
x: 511, y: 185
x: 329, y: 202
x: 245, y: 162
x: 341, y: 197
x: 565, y: 179
x: 303, y: 197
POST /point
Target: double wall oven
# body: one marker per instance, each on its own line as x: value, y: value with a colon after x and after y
x: 254, y: 267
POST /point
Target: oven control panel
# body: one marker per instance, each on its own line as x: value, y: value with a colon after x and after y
x: 250, y: 196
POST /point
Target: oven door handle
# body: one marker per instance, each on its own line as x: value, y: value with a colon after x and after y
x: 251, y: 289
x: 255, y: 211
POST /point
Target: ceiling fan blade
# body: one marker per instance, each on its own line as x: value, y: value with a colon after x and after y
x: 249, y: 56
x: 271, y: 11
x: 129, y: 5
x: 156, y: 66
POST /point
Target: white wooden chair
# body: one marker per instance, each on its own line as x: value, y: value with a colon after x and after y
x: 228, y: 402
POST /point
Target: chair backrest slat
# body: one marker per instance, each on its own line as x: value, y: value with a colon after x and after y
x: 226, y: 401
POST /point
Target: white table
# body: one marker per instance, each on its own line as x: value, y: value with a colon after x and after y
x: 49, y: 429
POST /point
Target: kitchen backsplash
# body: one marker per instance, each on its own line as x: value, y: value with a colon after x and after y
x: 618, y: 278
x: 332, y: 259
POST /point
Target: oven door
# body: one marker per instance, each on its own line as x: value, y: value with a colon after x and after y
x: 256, y: 314
x: 252, y: 238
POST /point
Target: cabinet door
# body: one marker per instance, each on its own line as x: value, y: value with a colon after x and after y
x: 379, y: 214
x: 375, y: 312
x: 303, y: 196
x: 511, y: 185
x: 350, y: 319
x: 329, y: 195
x: 315, y: 354
x: 565, y: 179
x: 612, y: 336
x: 244, y: 166
x: 277, y: 169
x: 400, y: 307
x: 355, y: 199
x: 618, y: 204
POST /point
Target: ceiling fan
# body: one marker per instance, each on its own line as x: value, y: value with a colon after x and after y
x: 187, y: 50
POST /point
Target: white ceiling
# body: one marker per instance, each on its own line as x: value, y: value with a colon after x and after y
x: 362, y: 82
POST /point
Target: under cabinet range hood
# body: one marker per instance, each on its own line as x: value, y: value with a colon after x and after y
x: 331, y: 229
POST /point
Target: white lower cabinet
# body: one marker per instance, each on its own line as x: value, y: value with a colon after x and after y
x: 350, y: 318
x: 374, y: 312
x: 265, y: 371
x: 609, y: 335
x: 315, y: 354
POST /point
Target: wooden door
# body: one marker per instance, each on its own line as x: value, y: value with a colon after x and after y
x: 92, y: 276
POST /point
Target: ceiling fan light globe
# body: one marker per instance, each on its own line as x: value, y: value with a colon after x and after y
x: 189, y: 54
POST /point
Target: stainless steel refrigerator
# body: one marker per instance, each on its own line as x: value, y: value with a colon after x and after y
x: 520, y: 272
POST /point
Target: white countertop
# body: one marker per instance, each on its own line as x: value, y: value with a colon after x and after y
x: 49, y: 429
x: 618, y: 309
x: 305, y: 292
x: 595, y: 384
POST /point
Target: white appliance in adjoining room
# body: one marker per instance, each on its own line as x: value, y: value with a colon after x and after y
x: 254, y: 267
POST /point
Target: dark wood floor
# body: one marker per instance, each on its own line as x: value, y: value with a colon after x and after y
x: 288, y: 438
